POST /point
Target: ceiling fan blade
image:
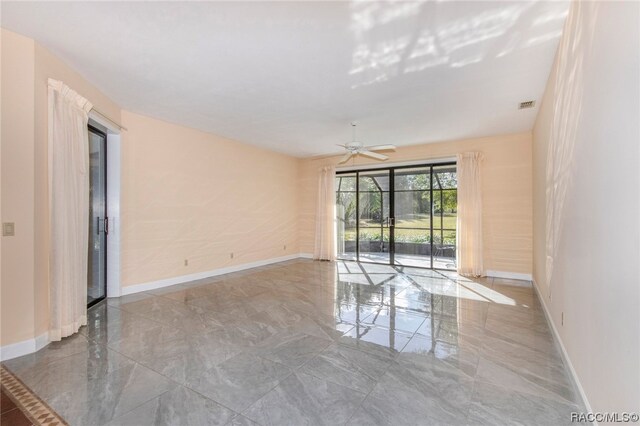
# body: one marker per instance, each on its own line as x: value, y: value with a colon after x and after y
x: 373, y: 155
x: 381, y: 148
x: 344, y: 146
x: 345, y: 157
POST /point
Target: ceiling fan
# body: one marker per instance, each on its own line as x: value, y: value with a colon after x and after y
x: 357, y: 148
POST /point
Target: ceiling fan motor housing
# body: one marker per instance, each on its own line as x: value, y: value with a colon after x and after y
x: 353, y: 146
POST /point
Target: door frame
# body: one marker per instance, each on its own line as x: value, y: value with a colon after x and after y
x: 392, y: 170
x: 105, y: 163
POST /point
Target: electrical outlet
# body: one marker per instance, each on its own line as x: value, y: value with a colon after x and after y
x: 186, y: 262
x: 231, y: 256
x: 8, y: 229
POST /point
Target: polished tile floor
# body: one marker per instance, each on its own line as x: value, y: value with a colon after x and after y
x: 311, y: 343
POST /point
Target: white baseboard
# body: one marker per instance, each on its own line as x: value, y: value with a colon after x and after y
x: 153, y: 285
x: 512, y: 276
x: 24, y: 348
x: 563, y: 350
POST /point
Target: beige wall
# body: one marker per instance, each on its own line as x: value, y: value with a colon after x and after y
x: 192, y: 195
x: 17, y: 290
x: 587, y: 138
x: 506, y: 194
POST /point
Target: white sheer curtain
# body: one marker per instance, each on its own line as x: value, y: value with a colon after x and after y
x: 68, y: 209
x: 469, y: 225
x: 325, y: 247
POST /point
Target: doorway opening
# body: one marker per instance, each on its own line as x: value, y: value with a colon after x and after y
x: 403, y: 216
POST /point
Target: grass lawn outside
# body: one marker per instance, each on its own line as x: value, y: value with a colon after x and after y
x: 370, y: 231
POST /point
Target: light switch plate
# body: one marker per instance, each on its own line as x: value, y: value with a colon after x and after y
x: 8, y: 229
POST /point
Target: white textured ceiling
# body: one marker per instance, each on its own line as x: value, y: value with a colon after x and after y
x: 291, y: 76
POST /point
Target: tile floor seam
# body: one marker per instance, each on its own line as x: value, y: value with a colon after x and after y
x: 174, y: 382
x: 136, y: 407
x: 47, y: 363
x: 146, y: 401
x: 243, y: 412
x: 135, y: 361
x: 149, y: 319
x: 293, y: 371
x: 575, y: 406
x: 259, y: 355
x: 544, y: 390
x: 329, y: 380
x: 470, y: 402
x: 135, y: 314
x: 211, y: 399
x: 366, y: 396
x: 302, y: 372
x: 395, y: 355
x: 377, y: 381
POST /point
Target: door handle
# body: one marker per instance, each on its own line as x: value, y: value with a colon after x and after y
x: 105, y: 225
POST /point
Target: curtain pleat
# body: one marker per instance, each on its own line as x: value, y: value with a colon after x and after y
x: 325, y: 244
x: 68, y: 209
x: 469, y: 222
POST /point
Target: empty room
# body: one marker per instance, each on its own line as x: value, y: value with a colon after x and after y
x: 320, y: 213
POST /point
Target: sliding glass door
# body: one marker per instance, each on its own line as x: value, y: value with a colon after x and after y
x: 98, y: 224
x: 399, y: 215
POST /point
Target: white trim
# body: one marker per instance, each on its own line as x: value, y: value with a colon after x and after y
x: 24, y: 348
x: 152, y: 285
x: 563, y: 350
x: 42, y: 340
x: 305, y: 255
x: 113, y: 213
x: 383, y: 165
x: 105, y: 121
x: 511, y: 276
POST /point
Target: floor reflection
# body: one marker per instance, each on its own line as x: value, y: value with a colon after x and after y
x: 389, y: 304
x: 423, y: 312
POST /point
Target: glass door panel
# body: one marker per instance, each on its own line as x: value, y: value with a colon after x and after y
x: 346, y: 228
x: 445, y: 208
x: 412, y: 211
x: 373, y: 216
x: 97, y: 277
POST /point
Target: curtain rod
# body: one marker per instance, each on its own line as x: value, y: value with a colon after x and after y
x: 106, y: 117
x: 383, y: 165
